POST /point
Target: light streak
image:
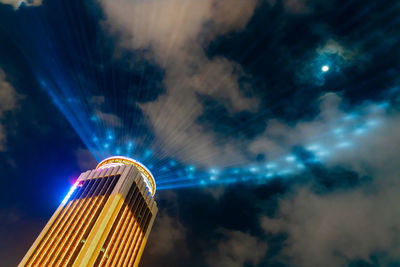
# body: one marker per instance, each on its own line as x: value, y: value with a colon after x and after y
x: 70, y: 192
x: 103, y: 140
x: 345, y: 134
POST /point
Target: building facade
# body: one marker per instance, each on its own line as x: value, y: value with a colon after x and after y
x: 105, y: 219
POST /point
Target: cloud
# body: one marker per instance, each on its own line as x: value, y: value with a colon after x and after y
x: 22, y: 231
x: 236, y: 249
x: 85, y: 159
x: 109, y: 119
x: 167, y: 233
x: 168, y: 241
x: 336, y: 228
x: 332, y: 46
x: 9, y: 98
x: 175, y: 27
x: 279, y: 138
x: 18, y: 3
x: 174, y: 33
x: 301, y: 6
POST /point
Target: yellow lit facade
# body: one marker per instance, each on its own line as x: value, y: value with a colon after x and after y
x: 105, y: 220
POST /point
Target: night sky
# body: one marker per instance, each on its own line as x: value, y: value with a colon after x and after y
x: 272, y: 127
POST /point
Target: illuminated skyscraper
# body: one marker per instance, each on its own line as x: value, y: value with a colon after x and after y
x: 104, y: 220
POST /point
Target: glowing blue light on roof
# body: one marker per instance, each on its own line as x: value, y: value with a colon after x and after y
x: 147, y: 153
x: 190, y: 168
x: 325, y: 68
x: 109, y: 135
x: 70, y: 192
x: 214, y: 171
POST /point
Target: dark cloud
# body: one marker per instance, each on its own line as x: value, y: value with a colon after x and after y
x: 176, y: 44
x: 237, y: 249
x: 211, y: 82
x: 8, y: 104
x: 337, y: 228
x: 168, y: 244
x: 21, y: 3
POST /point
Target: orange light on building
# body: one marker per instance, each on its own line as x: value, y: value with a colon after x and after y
x: 104, y: 220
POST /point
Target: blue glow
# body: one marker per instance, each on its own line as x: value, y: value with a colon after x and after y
x: 300, y: 166
x: 322, y: 153
x: 253, y: 169
x: 102, y: 139
x: 359, y: 131
x: 290, y: 163
x: 214, y: 171
x: 70, y: 192
x: 285, y: 172
x: 313, y: 147
x: 171, y: 174
x: 344, y: 144
x: 383, y: 105
x: 271, y: 165
x: 372, y: 123
x: 290, y: 158
x: 338, y: 131
x: 147, y: 153
x: 190, y: 168
x: 350, y: 117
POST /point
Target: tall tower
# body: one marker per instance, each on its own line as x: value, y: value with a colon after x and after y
x: 104, y: 220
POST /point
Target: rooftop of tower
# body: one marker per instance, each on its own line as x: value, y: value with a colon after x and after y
x: 121, y: 160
